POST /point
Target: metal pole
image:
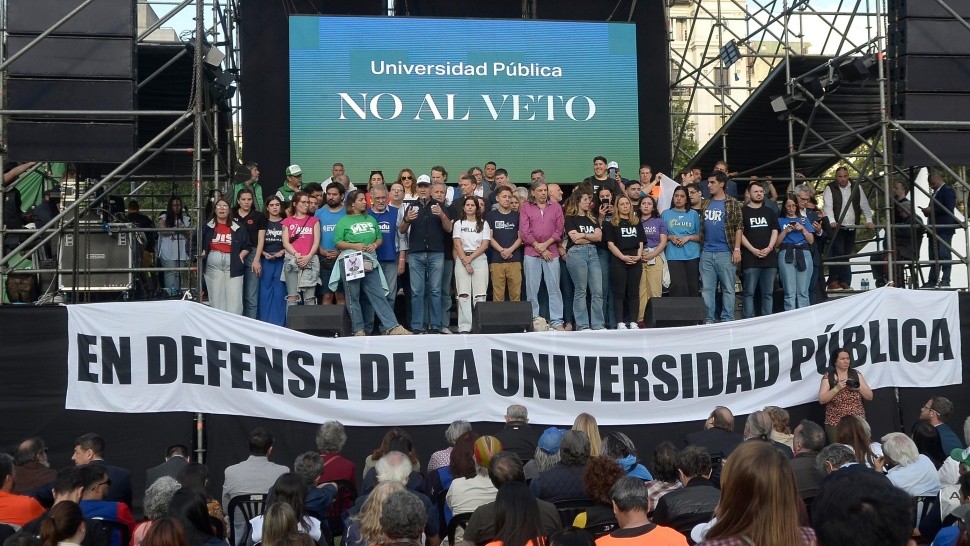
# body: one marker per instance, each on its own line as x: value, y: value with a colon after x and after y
x: 789, y: 88
x: 197, y: 111
x: 157, y: 24
x: 884, y: 131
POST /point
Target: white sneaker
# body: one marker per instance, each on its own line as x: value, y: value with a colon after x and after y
x: 398, y: 331
x: 633, y: 326
x: 621, y: 326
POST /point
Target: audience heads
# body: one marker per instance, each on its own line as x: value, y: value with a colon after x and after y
x: 189, y: 508
x: 165, y: 531
x: 721, y: 418
x: 759, y: 425
x: 279, y: 522
x: 899, y: 448
x: 291, y: 489
x: 369, y: 517
x: 599, y: 476
x: 23, y: 538
x: 462, y: 458
x: 6, y: 472
x: 694, y: 461
x: 862, y: 508
x: 516, y: 515
x: 505, y: 467
x: 260, y: 442
x: 587, y: 423
x: 456, y: 429
x: 64, y: 523
x: 159, y: 495
x: 394, y: 466
x: 403, y: 516
x: 574, y: 448
x: 308, y: 467
x: 665, y: 462
x: 485, y: 448
x: 69, y: 484
x: 928, y: 442
x: 570, y: 536
x: 759, y: 498
x: 96, y: 482
x: 832, y: 457
x: 516, y: 412
x: 32, y: 449
x: 550, y: 440
x: 87, y: 448
x: 617, y: 445
x: 195, y: 476
x: 396, y: 439
x: 809, y: 436
x: 177, y: 450
x: 629, y: 494
x: 853, y: 431
x: 942, y: 407
x: 331, y: 437
x: 780, y: 421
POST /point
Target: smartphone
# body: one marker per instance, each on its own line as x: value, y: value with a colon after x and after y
x: 605, y: 202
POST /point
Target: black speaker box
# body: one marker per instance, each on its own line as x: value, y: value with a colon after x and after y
x: 69, y: 57
x: 949, y: 146
x: 933, y: 73
x: 104, y: 17
x: 502, y: 317
x: 922, y: 8
x: 668, y: 312
x: 57, y: 94
x: 933, y: 37
x: 936, y: 106
x: 96, y: 250
x: 319, y: 320
x: 72, y: 142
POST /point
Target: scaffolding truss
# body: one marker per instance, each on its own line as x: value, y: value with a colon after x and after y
x: 769, y: 35
x: 211, y: 101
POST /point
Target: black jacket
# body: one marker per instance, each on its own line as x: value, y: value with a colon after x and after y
x: 684, y: 508
x: 240, y: 242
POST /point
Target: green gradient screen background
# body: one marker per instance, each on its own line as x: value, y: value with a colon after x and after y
x: 331, y: 56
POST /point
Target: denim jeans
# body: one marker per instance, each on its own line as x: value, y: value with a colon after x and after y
x: 373, y: 292
x: 604, y: 257
x: 174, y: 281
x: 425, y: 272
x: 795, y: 282
x: 447, y: 280
x: 536, y: 271
x: 390, y: 275
x: 758, y: 281
x: 717, y: 268
x: 939, y: 252
x: 250, y: 287
x: 843, y: 244
x: 584, y: 270
x: 568, y: 291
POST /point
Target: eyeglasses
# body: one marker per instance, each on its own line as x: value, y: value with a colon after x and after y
x: 303, y: 202
x: 927, y: 408
x: 106, y: 482
x: 407, y: 178
x: 379, y: 197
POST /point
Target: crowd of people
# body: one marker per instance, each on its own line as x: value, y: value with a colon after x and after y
x: 592, y: 260
x: 777, y: 483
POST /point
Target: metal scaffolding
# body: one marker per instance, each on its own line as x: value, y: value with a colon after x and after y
x: 768, y: 35
x: 201, y: 116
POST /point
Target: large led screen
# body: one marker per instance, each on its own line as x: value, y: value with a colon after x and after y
x: 383, y: 93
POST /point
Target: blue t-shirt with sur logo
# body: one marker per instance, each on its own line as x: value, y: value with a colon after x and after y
x: 715, y: 240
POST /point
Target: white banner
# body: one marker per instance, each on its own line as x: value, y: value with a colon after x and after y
x: 183, y: 356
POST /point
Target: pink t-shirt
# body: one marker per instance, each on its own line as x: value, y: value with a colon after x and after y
x: 301, y: 232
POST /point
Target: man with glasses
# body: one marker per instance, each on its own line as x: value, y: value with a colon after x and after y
x: 93, y: 504
x: 935, y: 412
x: 426, y: 225
x: 33, y: 468
x: 328, y: 216
x: 389, y: 255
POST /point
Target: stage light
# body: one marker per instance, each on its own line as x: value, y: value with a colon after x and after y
x: 730, y: 53
x: 855, y: 69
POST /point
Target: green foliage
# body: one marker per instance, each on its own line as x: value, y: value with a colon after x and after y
x: 684, y: 136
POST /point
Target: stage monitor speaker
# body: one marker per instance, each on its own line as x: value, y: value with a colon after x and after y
x: 69, y: 57
x: 319, y: 320
x: 667, y: 312
x: 96, y: 250
x: 57, y: 94
x: 502, y: 317
x: 100, y: 17
x: 73, y: 142
x: 950, y: 146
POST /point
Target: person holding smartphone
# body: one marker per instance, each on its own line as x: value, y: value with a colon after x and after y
x: 795, y: 256
x: 425, y: 223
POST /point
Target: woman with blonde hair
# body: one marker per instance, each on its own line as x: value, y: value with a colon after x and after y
x: 759, y: 501
x: 365, y: 528
x: 625, y: 238
x: 280, y: 526
x: 587, y: 423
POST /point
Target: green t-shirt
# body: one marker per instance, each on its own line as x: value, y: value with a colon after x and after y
x: 32, y: 187
x: 357, y: 228
x: 257, y: 189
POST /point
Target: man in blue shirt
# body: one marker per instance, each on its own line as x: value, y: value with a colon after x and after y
x: 388, y: 254
x: 328, y: 215
x: 721, y: 229
x: 935, y: 412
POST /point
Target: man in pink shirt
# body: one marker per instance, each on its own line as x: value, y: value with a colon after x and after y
x: 540, y: 227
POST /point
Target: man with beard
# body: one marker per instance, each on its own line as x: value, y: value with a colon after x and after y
x: 427, y: 226
x: 328, y: 217
x: 758, y: 262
